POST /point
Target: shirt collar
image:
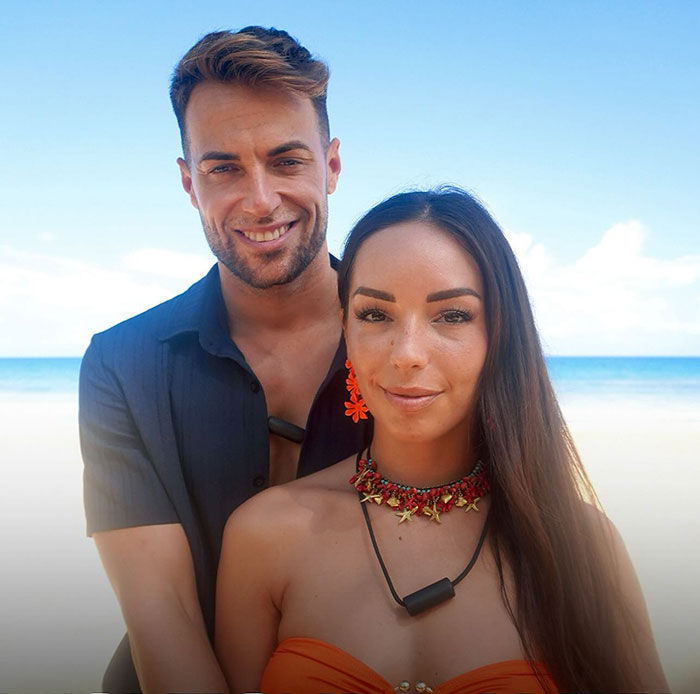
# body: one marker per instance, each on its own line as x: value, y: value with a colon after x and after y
x: 201, y: 310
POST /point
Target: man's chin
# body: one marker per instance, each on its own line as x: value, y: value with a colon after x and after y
x: 264, y: 278
x: 273, y: 268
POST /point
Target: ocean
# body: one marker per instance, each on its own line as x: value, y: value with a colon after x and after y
x: 668, y: 387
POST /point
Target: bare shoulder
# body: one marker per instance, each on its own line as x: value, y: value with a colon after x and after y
x: 284, y: 511
x: 610, y: 533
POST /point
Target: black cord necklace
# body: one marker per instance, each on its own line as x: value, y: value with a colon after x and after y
x: 433, y: 594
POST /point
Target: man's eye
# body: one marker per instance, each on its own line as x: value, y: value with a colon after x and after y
x: 221, y: 168
x: 371, y: 315
x: 286, y: 163
x: 455, y: 316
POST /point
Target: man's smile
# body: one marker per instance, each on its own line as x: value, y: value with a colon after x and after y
x: 266, y: 234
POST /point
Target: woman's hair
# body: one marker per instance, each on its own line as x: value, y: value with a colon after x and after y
x: 566, y: 603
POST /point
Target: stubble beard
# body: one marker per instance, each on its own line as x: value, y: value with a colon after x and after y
x: 302, y: 256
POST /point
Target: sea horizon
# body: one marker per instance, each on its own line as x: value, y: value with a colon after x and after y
x: 587, y: 387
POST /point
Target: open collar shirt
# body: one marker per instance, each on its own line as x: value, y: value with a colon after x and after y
x: 173, y: 425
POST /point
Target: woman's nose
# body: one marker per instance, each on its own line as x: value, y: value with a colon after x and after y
x: 409, y: 346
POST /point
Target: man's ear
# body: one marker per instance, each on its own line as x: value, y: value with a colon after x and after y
x: 186, y: 178
x: 332, y: 165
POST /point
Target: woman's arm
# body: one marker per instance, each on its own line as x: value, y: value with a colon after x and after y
x: 246, y: 615
x: 648, y: 662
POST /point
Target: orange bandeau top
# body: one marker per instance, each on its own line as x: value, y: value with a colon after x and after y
x: 302, y: 665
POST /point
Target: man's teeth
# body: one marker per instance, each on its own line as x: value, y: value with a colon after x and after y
x: 266, y: 235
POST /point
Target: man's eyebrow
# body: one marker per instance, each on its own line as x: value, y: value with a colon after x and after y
x: 374, y: 293
x: 218, y: 156
x: 288, y: 147
x: 451, y: 293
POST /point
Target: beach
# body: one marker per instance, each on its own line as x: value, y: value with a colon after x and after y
x: 61, y: 622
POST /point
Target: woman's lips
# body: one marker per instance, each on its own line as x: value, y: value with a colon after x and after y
x: 410, y: 399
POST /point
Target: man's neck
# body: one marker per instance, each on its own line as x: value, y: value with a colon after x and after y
x: 310, y: 299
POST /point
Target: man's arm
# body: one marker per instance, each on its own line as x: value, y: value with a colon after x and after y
x: 130, y: 514
x: 151, y: 571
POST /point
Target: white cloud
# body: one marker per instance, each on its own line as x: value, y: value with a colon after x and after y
x: 51, y: 305
x: 614, y: 299
x: 164, y: 263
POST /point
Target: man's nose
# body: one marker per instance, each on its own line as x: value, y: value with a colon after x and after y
x: 409, y: 346
x: 260, y: 196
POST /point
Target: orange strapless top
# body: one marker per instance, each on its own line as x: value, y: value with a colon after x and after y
x: 309, y: 666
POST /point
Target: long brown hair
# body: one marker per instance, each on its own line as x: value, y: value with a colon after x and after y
x: 546, y: 526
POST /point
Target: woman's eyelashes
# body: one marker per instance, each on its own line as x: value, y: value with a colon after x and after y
x: 373, y: 314
x: 455, y: 315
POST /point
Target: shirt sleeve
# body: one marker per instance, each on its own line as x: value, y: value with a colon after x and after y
x: 121, y: 485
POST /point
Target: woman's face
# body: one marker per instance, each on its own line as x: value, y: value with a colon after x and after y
x: 416, y: 331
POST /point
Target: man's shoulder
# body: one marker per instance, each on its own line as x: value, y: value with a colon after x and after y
x: 134, y: 342
x: 158, y: 322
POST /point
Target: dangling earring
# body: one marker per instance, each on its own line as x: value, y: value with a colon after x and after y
x: 356, y: 408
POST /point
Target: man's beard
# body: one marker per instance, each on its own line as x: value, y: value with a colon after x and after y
x: 303, y: 255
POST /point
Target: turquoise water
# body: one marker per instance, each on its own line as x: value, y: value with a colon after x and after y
x: 659, y: 379
x: 39, y: 375
x: 677, y: 376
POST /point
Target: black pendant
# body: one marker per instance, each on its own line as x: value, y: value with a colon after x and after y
x: 285, y: 429
x: 430, y: 596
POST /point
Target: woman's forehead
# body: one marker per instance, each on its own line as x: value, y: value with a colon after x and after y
x: 415, y: 251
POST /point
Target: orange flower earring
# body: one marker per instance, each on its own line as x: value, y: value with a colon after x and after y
x: 356, y: 408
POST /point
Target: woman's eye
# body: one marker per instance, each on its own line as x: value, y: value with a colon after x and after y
x: 455, y: 316
x: 371, y: 315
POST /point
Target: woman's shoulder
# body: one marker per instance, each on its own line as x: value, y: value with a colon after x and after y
x: 290, y: 508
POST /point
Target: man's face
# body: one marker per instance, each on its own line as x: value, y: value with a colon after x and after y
x: 259, y: 174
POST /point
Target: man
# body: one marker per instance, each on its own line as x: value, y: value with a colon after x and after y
x: 189, y: 409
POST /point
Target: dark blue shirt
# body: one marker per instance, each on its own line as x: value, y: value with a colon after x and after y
x: 173, y: 425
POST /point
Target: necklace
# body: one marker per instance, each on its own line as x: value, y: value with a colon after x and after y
x: 433, y: 594
x: 409, y: 501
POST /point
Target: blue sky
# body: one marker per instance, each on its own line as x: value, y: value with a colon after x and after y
x: 575, y: 122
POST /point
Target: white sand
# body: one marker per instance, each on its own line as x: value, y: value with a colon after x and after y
x: 60, y: 622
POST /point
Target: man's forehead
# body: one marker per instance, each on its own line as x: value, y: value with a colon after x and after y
x: 233, y: 112
x: 241, y: 100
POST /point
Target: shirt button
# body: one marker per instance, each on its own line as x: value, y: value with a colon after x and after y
x: 258, y: 481
x: 255, y: 386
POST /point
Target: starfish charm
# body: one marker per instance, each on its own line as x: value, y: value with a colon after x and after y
x: 473, y: 505
x: 369, y: 496
x: 405, y: 515
x: 432, y: 512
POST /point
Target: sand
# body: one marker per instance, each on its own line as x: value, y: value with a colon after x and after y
x: 60, y: 621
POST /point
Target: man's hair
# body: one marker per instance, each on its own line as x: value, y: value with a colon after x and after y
x: 254, y: 57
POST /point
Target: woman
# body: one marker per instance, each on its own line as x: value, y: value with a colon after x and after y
x: 468, y: 444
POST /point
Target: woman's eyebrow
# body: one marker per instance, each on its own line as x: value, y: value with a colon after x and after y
x: 374, y: 293
x: 451, y: 293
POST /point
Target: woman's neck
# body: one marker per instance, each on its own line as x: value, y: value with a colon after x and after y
x: 423, y: 463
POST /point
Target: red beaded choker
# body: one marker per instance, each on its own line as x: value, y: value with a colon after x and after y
x: 427, y: 501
